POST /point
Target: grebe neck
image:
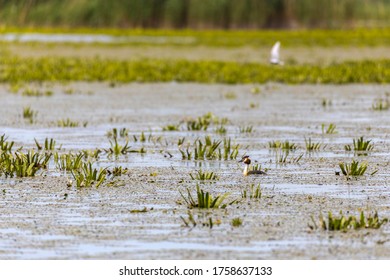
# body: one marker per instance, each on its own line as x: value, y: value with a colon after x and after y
x: 246, y: 170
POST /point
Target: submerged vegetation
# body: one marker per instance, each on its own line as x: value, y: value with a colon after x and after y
x: 354, y: 168
x: 210, y: 149
x: 344, y: 223
x: 204, y: 175
x: 204, y: 199
x: 22, y: 164
x: 153, y: 70
x: 360, y: 145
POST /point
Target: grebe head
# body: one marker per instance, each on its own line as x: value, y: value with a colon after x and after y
x: 246, y: 160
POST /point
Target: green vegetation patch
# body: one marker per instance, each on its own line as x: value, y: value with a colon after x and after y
x: 15, y: 69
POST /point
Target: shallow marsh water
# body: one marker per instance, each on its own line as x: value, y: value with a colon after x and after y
x: 38, y: 221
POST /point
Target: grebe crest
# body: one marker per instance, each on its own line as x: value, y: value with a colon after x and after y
x: 247, y: 161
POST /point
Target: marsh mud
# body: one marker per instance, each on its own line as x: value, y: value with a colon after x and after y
x: 42, y: 218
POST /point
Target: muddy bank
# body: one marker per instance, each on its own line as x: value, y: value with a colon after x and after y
x: 42, y: 218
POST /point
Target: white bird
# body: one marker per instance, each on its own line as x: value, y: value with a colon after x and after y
x: 275, y: 57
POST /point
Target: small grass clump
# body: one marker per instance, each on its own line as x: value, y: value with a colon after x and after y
x: 171, y: 127
x: 29, y: 114
x: 116, y: 149
x: 87, y: 176
x: 204, y: 175
x: 69, y: 123
x: 220, y: 129
x: 344, y: 223
x: 68, y: 162
x: 36, y: 92
x: 141, y: 138
x: 23, y: 164
x: 6, y: 146
x: 49, y: 145
x: 326, y: 102
x: 117, y: 171
x: 312, y: 146
x: 210, y: 149
x: 230, y: 95
x: 204, y: 200
x: 229, y: 151
x: 284, y: 157
x: 116, y: 133
x: 252, y: 192
x: 286, y: 145
x: 381, y: 105
x: 354, y: 168
x: 201, y: 123
x: 236, y: 222
x: 255, y: 90
x: 205, y: 222
x: 246, y: 129
x: 360, y: 145
x: 331, y: 129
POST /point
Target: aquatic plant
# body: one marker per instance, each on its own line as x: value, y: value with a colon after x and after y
x: 116, y: 149
x: 284, y: 157
x: 220, y: 129
x: 331, y: 129
x: 236, y: 222
x: 91, y: 154
x: 186, y: 155
x: 117, y: 171
x: 360, y: 145
x: 204, y: 175
x: 68, y: 123
x: 49, y: 144
x: 115, y: 133
x: 201, y: 123
x: 343, y: 223
x: 206, y: 150
x: 171, y: 127
x: 141, y: 138
x: 190, y: 221
x: 286, y: 145
x: 205, y: 221
x: 5, y: 146
x: 255, y: 90
x: 246, y: 129
x: 29, y: 114
x: 155, y: 70
x: 230, y: 95
x: 326, y: 102
x: 204, y: 199
x: 87, y: 176
x: 23, y: 164
x: 354, y: 168
x: 312, y: 146
x: 210, y: 149
x: 229, y: 152
x: 69, y: 161
x: 253, y: 105
x: 181, y: 141
x: 381, y: 105
x: 36, y: 92
x: 252, y: 192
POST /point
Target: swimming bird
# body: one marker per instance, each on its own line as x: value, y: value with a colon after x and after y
x: 247, y: 161
x: 275, y: 57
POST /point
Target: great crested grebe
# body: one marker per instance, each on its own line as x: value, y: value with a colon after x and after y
x: 247, y: 161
